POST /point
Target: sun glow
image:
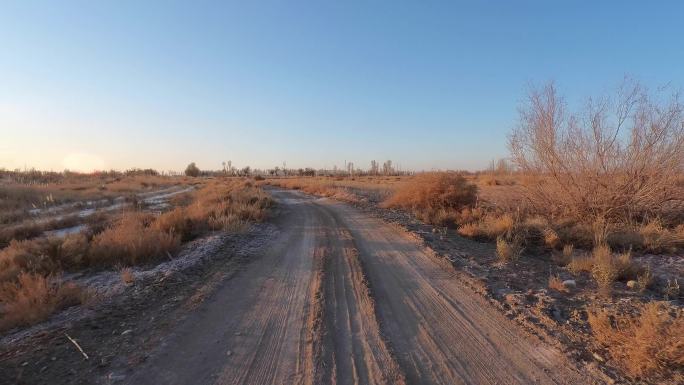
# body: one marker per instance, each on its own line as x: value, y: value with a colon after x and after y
x: 83, y: 162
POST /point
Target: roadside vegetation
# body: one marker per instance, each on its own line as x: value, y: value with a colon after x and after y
x: 593, y: 197
x: 31, y: 288
x: 32, y: 202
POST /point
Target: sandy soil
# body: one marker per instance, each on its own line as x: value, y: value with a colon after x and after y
x: 340, y: 297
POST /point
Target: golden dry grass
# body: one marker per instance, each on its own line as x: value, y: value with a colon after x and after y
x: 23, y: 192
x: 436, y: 198
x: 507, y: 251
x: 650, y: 344
x: 581, y: 264
x: 645, y: 280
x: 42, y: 255
x: 657, y: 238
x: 606, y: 267
x: 28, y: 291
x: 555, y: 283
x: 33, y: 298
x: 137, y: 237
x: 131, y: 241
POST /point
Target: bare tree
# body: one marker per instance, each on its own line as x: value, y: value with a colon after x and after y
x: 617, y: 160
x: 387, y: 168
x: 374, y: 168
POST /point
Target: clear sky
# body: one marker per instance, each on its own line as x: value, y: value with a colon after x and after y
x: 119, y: 84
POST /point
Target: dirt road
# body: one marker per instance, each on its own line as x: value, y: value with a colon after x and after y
x: 343, y: 298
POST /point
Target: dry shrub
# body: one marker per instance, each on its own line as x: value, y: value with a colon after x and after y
x: 137, y: 237
x: 645, y: 280
x: 603, y: 269
x: 131, y: 241
x: 625, y: 239
x: 18, y: 256
x: 556, y: 283
x: 33, y: 298
x: 74, y: 251
x: 507, y: 251
x: 499, y: 226
x: 428, y: 194
x: 490, y: 227
x: 647, y: 345
x: 551, y: 238
x: 227, y: 206
x: 617, y: 162
x: 658, y: 239
x: 176, y: 221
x: 608, y: 268
x: 626, y: 267
x: 22, y: 231
x: 579, y: 234
x: 42, y: 255
x: 581, y: 264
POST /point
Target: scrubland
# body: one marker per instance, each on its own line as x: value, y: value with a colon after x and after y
x: 31, y: 267
x: 34, y: 202
x: 596, y: 196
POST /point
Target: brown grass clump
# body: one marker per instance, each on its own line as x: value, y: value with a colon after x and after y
x: 489, y: 227
x: 221, y: 206
x: 130, y: 241
x: 603, y: 269
x: 430, y: 195
x: 658, y: 239
x: 608, y: 268
x: 551, y: 238
x: 507, y: 251
x: 127, y: 275
x: 175, y: 221
x: 33, y: 298
x: 647, y: 345
x: 496, y: 226
x: 565, y: 257
x: 556, y: 283
x: 581, y: 264
x: 645, y: 280
x: 42, y: 255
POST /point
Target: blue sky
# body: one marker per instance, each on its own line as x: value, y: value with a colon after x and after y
x: 122, y: 84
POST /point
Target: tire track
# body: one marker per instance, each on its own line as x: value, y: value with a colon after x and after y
x: 444, y: 333
x: 356, y: 352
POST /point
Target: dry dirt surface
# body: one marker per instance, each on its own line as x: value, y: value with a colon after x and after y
x: 342, y: 298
